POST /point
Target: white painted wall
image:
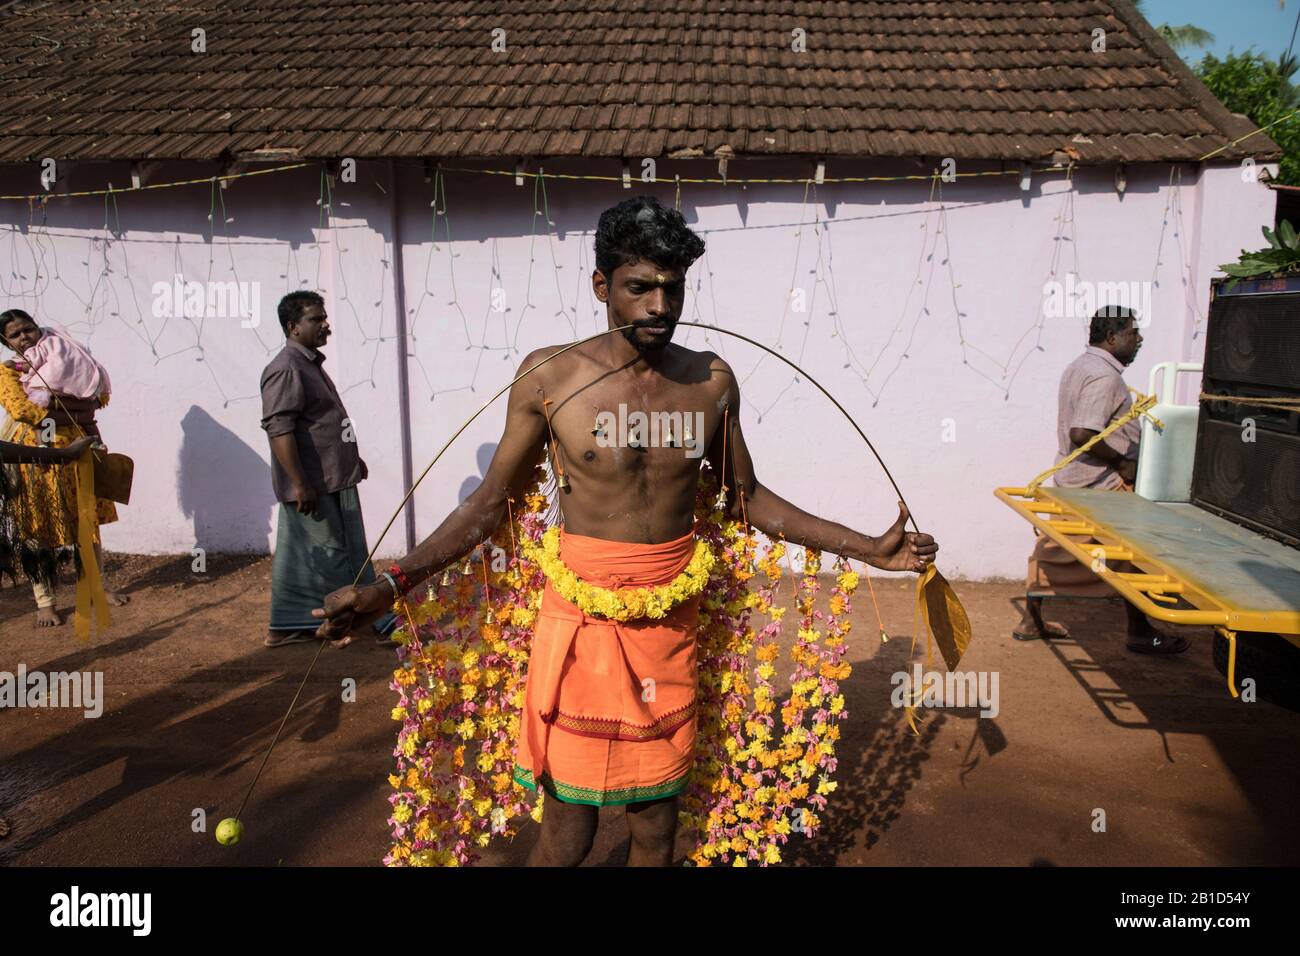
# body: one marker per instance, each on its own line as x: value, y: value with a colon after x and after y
x: 186, y: 405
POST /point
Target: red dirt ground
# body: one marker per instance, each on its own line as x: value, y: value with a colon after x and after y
x: 1186, y: 774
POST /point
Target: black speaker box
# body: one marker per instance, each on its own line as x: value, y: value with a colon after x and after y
x: 1247, y: 465
x: 1255, y: 484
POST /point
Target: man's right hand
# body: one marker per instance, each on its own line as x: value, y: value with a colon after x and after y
x: 352, y: 607
x: 305, y: 497
x: 1128, y: 470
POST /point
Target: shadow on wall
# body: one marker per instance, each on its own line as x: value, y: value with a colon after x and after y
x: 224, y: 487
x: 484, y: 457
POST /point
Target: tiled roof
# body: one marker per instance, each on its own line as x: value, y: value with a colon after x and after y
x: 993, y: 79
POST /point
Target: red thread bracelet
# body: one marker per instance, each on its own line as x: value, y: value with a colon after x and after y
x: 404, y: 582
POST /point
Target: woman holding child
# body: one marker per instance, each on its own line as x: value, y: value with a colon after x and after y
x: 53, y: 379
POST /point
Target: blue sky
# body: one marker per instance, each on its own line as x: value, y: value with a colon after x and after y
x: 1236, y: 24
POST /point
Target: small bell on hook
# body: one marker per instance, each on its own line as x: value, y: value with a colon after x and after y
x: 597, y: 429
x: 562, y: 482
x: 446, y: 577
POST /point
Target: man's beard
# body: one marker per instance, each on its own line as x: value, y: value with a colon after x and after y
x: 629, y: 332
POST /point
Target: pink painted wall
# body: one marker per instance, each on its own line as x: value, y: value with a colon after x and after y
x: 884, y: 276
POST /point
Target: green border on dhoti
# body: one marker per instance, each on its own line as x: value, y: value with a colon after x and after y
x: 600, y: 798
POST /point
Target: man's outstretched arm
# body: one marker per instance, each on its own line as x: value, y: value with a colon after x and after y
x: 894, y: 550
x: 519, y: 451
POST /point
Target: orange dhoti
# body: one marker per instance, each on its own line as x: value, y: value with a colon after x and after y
x: 609, y: 707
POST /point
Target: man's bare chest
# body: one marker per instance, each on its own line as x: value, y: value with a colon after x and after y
x: 608, y: 430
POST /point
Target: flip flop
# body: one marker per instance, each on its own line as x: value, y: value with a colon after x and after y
x: 1053, y: 630
x: 1159, y: 644
x: 291, y: 637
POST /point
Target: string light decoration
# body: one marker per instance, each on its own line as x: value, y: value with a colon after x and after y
x: 107, y: 259
x: 1174, y: 202
x: 1064, y: 220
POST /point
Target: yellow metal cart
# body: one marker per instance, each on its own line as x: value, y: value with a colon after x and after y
x: 1194, y: 567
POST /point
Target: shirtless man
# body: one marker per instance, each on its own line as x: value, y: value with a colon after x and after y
x: 640, y: 495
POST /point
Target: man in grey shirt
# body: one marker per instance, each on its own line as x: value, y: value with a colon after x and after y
x: 315, y: 468
x: 1092, y: 394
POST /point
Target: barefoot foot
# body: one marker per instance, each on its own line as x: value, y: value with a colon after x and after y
x: 48, y: 617
x: 116, y: 598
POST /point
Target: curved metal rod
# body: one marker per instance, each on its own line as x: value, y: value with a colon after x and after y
x: 505, y: 388
x: 816, y: 384
x: 696, y: 325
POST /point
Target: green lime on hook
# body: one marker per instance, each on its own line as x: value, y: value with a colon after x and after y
x: 229, y: 831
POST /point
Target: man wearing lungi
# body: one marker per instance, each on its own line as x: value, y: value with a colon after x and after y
x: 320, y: 542
x: 609, y: 710
x: 1091, y: 395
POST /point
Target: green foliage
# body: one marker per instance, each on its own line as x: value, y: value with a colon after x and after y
x: 1254, y: 85
x: 1185, y: 35
x: 1282, y: 257
x: 1182, y: 36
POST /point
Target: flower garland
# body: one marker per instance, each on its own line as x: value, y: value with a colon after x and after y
x: 627, y: 604
x: 463, y: 658
x: 755, y: 783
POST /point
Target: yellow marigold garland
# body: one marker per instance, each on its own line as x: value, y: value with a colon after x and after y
x: 628, y: 604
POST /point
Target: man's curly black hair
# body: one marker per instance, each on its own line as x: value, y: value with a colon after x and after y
x: 1108, y: 319
x: 640, y: 229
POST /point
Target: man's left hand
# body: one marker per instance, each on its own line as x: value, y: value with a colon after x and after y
x: 897, y: 550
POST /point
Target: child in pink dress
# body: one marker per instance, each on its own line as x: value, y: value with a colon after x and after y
x: 59, y: 363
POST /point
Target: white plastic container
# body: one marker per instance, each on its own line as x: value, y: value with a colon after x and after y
x: 1165, y: 455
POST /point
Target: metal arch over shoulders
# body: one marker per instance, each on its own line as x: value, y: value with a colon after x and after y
x: 556, y: 354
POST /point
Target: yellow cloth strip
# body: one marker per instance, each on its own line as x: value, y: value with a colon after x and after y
x: 1139, y: 407
x: 90, y: 586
